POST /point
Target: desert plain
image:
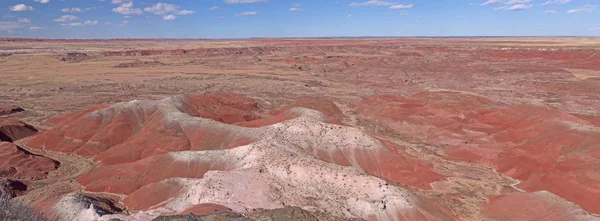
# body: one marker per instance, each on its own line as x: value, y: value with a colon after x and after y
x: 302, y: 129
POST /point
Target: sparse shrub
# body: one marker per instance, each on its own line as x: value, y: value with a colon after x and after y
x: 12, y: 210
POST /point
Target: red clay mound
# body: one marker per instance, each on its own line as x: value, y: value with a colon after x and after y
x: 11, y: 130
x: 155, y: 152
x: 124, y: 128
x: 544, y: 148
x: 17, y: 163
x: 331, y: 112
x: 9, y: 109
x: 226, y: 108
x: 541, y: 206
x: 128, y: 177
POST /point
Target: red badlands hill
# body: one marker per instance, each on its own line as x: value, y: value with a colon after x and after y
x: 544, y: 148
x: 11, y: 130
x: 19, y: 164
x: 182, y: 152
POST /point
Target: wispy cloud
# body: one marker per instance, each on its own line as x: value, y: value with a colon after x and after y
x: 586, y: 9
x: 9, y: 26
x: 371, y: 3
x: 549, y: 12
x: 492, y: 2
x: 243, y: 1
x: 74, y: 24
x: 517, y: 7
x: 42, y: 1
x: 510, y: 5
x: 401, y: 6
x: 249, y: 13
x: 65, y: 18
x: 71, y: 10
x: 296, y: 7
x: 169, y: 17
x: 186, y: 12
x: 24, y: 20
x: 90, y: 22
x: 556, y: 2
x: 214, y: 8
x: 516, y: 2
x: 35, y: 28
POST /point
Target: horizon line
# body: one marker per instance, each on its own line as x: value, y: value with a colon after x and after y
x: 324, y: 37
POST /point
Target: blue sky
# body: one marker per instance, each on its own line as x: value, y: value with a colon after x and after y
x: 296, y: 18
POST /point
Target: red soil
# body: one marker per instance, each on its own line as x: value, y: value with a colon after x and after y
x: 542, y: 206
x: 19, y: 164
x: 125, y: 131
x: 12, y: 130
x: 543, y: 147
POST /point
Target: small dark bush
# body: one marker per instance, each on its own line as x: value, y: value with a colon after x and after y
x: 11, y: 210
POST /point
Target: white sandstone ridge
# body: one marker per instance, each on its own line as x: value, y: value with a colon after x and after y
x: 283, y: 166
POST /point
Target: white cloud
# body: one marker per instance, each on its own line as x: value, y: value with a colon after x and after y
x: 161, y: 8
x: 213, y: 8
x: 21, y: 8
x: 89, y: 22
x: 71, y: 10
x: 164, y: 8
x: 517, y: 7
x: 246, y: 14
x: 404, y: 13
x: 401, y: 6
x: 65, y: 18
x: 126, y: 8
x: 294, y: 9
x: 243, y: 1
x: 371, y: 3
x: 583, y: 10
x: 515, y: 2
x: 9, y: 26
x: 42, y: 1
x: 349, y: 16
x: 74, y: 24
x: 34, y: 28
x: 492, y: 2
x: 297, y: 4
x: 169, y: 17
x: 24, y: 20
x: 594, y: 29
x: 550, y: 12
x: 126, y: 16
x: 556, y: 2
x: 186, y: 12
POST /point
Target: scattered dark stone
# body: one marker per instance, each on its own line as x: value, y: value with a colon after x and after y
x: 139, y: 64
x: 290, y: 213
x: 74, y: 57
x: 225, y: 216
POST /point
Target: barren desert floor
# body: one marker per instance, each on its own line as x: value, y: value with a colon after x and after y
x: 303, y: 129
